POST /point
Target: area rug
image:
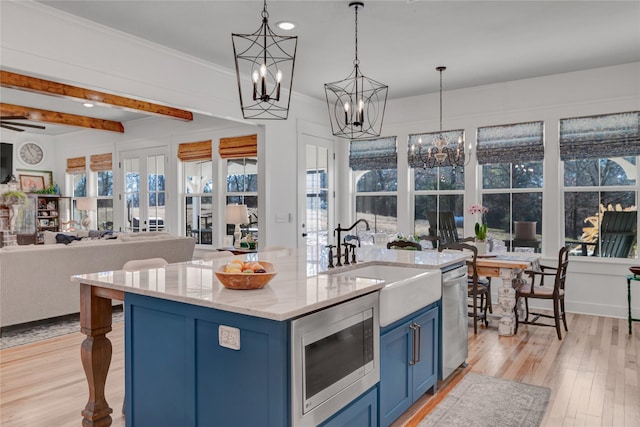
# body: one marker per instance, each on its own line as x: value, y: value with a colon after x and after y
x: 480, y: 401
x: 46, y: 330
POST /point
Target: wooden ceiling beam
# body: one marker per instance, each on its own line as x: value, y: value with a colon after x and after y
x: 55, y: 117
x: 47, y: 87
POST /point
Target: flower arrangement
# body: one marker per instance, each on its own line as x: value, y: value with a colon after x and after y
x: 481, y: 227
x: 13, y: 197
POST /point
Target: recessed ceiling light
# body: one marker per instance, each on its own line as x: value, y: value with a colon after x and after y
x: 286, y: 25
x: 88, y: 104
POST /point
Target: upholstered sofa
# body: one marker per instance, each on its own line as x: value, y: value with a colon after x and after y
x: 35, y: 280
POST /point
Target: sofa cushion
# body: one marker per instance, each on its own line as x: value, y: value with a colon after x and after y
x: 65, y: 238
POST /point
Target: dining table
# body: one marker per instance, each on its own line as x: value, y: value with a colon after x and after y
x: 509, y: 267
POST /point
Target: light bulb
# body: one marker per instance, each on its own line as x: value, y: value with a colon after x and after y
x: 255, y: 76
x: 263, y: 70
x: 279, y: 76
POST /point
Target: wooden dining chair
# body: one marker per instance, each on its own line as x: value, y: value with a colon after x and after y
x: 536, y: 288
x: 404, y: 244
x: 477, y: 290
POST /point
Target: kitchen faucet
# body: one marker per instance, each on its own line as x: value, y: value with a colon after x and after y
x: 339, y: 230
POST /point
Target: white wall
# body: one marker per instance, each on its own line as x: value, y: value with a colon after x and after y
x: 37, y: 40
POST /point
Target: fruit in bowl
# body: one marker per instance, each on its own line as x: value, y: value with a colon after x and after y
x: 238, y: 274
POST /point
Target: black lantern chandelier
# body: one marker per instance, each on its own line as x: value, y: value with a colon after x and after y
x: 441, y: 151
x: 269, y: 60
x: 356, y: 104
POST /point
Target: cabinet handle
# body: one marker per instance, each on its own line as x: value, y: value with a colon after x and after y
x: 419, y: 336
x: 413, y: 329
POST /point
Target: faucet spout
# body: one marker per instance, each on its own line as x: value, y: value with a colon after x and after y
x: 339, y: 230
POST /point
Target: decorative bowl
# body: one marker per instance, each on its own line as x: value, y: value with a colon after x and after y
x: 247, y: 280
x: 635, y: 270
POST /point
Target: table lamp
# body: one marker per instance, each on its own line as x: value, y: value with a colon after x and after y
x: 86, y: 204
x: 237, y: 214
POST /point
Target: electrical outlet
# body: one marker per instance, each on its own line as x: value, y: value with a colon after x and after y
x: 229, y: 337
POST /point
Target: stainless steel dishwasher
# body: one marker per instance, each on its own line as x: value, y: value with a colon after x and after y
x: 454, y: 320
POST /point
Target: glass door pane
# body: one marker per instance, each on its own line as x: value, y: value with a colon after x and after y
x: 317, y: 200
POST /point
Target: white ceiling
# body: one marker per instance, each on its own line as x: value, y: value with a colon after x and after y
x: 400, y: 42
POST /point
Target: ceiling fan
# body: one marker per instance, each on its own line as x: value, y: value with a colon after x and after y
x: 5, y: 123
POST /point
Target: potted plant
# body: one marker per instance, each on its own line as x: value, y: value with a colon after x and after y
x: 13, y: 197
x: 480, y: 227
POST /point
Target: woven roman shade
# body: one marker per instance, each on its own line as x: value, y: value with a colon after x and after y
x: 238, y: 147
x: 77, y: 165
x: 100, y: 162
x: 193, y: 151
x: 521, y: 142
x: 377, y: 153
x: 602, y: 136
x: 427, y: 141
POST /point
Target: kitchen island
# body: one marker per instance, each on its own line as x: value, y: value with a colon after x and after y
x: 200, y: 302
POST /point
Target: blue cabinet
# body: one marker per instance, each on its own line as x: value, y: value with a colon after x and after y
x: 408, y: 362
x: 179, y: 375
x: 363, y: 412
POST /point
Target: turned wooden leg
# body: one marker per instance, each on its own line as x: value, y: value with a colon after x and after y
x: 95, y: 323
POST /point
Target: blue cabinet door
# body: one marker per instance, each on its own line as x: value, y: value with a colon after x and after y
x: 425, y: 371
x: 404, y: 379
x: 396, y: 351
x: 177, y: 373
x: 362, y: 412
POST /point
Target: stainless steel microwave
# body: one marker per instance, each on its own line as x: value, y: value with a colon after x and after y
x: 335, y: 357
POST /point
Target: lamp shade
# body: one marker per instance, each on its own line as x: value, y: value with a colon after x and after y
x: 86, y: 204
x: 237, y: 214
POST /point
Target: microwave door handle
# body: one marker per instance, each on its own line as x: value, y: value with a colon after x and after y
x: 413, y: 329
x: 419, y: 337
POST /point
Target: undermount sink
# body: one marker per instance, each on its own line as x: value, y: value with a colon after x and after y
x: 406, y: 289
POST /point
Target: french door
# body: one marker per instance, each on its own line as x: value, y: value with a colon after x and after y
x: 144, y: 192
x: 315, y: 189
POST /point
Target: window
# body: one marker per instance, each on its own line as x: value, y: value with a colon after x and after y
x: 438, y: 189
x: 242, y: 188
x: 77, y: 178
x: 600, y: 160
x: 197, y: 178
x: 101, y: 166
x: 512, y: 177
x: 375, y: 175
x: 198, y: 194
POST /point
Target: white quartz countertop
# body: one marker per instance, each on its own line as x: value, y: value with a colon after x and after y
x: 300, y: 287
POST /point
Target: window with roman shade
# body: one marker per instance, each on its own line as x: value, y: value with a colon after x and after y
x: 437, y: 189
x: 602, y: 136
x: 102, y: 167
x: 77, y: 169
x: 374, y: 165
x: 512, y: 157
x: 599, y: 156
x: 511, y: 143
x: 197, y: 178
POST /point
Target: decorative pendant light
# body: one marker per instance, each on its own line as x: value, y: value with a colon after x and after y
x: 269, y: 60
x: 356, y: 104
x: 441, y: 151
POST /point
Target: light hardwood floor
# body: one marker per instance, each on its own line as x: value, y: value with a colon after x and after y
x: 593, y: 375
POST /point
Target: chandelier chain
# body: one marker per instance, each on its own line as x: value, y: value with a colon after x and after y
x: 356, y: 61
